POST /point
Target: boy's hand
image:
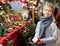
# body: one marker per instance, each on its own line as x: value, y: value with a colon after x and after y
x: 39, y: 41
x: 34, y: 40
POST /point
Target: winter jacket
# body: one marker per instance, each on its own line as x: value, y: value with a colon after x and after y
x: 50, y: 34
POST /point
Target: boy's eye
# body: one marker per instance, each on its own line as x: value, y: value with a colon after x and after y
x: 48, y: 10
x: 45, y: 9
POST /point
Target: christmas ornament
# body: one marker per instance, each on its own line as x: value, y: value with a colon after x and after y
x: 28, y: 31
x: 3, y: 32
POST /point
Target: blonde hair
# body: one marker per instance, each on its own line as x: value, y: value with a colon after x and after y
x: 50, y: 5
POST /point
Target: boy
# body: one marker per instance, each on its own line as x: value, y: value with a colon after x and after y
x: 46, y: 30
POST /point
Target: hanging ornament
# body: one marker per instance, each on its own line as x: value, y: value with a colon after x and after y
x: 13, y: 0
x: 7, y: 1
x: 12, y: 18
x: 23, y: 1
x: 0, y: 2
x: 15, y: 18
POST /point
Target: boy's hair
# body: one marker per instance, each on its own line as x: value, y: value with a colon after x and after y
x: 50, y: 5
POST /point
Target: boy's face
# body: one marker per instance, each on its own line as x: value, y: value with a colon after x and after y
x: 47, y: 11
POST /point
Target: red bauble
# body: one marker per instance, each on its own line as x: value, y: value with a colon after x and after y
x: 16, y: 18
x: 1, y: 3
x: 23, y: 1
x: 38, y: 41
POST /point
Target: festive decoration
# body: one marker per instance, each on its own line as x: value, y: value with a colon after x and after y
x: 7, y: 1
x: 10, y: 43
x: 7, y: 8
x: 1, y: 19
x: 1, y: 8
x: 13, y: 0
x: 16, y: 18
x: 2, y: 31
x: 28, y: 31
x: 23, y: 1
x: 12, y: 18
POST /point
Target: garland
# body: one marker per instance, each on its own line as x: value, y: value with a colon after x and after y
x: 28, y: 31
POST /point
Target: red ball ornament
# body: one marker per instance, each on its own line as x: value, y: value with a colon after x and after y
x: 1, y: 3
x: 23, y: 1
x: 15, y: 18
x: 38, y: 41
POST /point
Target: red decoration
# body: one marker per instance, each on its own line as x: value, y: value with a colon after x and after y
x: 23, y: 1
x: 0, y: 0
x: 38, y: 41
x: 13, y: 0
x: 1, y: 3
x: 7, y: 1
x: 15, y: 18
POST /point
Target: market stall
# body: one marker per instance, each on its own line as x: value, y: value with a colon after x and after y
x: 15, y: 28
x: 12, y: 38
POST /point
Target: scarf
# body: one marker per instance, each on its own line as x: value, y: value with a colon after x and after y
x: 45, y: 22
